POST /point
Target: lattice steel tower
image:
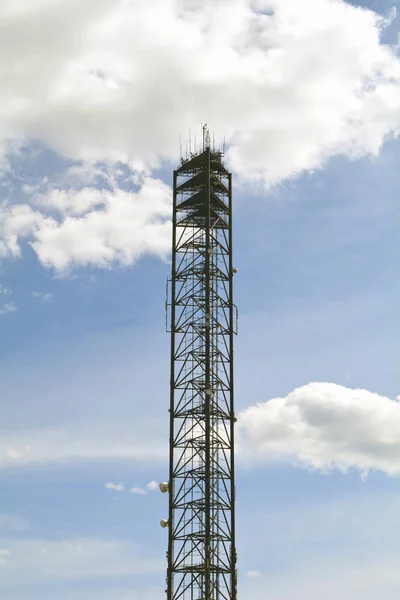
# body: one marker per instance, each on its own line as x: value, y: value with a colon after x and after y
x: 201, y: 524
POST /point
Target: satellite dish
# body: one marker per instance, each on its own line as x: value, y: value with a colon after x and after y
x: 164, y: 487
x: 164, y: 523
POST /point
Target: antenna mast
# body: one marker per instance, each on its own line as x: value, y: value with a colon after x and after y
x: 201, y: 553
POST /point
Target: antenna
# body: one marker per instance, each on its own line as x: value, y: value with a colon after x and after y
x: 190, y: 142
x: 206, y: 137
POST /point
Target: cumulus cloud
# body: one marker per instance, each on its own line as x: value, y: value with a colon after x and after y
x: 288, y: 83
x: 96, y: 227
x: 137, y: 490
x: 17, y: 222
x: 321, y: 426
x: 117, y: 487
x: 253, y: 574
x: 152, y: 486
x: 324, y: 426
x: 8, y: 307
x: 74, y: 202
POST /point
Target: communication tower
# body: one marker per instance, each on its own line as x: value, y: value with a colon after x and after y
x: 201, y: 557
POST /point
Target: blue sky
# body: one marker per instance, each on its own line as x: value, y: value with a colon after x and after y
x: 84, y: 356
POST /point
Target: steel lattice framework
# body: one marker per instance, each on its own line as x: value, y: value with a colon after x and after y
x: 201, y: 548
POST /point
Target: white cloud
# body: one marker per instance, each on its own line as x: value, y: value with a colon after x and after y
x: 390, y: 17
x: 288, y: 82
x: 75, y: 559
x: 17, y: 222
x: 43, y: 296
x: 118, y: 487
x: 130, y: 225
x: 8, y: 307
x: 126, y: 226
x: 321, y: 426
x: 152, y: 486
x: 59, y: 445
x: 73, y: 202
x: 137, y: 490
x: 101, y: 96
x: 253, y: 574
x: 324, y: 426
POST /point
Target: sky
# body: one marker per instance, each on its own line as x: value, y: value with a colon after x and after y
x: 95, y: 98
